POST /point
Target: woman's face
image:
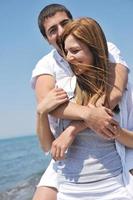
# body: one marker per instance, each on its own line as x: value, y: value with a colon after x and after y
x: 77, y: 51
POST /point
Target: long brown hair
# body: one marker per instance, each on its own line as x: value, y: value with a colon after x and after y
x: 92, y: 80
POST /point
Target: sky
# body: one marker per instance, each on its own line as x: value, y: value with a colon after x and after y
x: 22, y: 45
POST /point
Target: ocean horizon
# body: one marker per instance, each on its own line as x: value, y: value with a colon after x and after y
x: 22, y: 162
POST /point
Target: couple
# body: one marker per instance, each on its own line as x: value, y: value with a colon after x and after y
x: 86, y: 170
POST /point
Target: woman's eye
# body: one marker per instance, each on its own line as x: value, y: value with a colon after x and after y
x: 75, y: 51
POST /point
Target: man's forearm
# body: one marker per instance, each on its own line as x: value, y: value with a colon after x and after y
x: 70, y: 111
x: 44, y: 133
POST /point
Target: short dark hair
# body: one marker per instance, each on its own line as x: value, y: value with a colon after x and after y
x: 49, y: 11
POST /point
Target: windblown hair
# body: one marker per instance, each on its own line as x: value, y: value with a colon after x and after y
x: 49, y: 11
x: 92, y: 80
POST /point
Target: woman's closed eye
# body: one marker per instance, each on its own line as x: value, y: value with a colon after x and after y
x: 72, y: 51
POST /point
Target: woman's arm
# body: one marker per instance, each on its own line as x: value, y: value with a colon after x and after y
x: 63, y: 142
x: 125, y: 137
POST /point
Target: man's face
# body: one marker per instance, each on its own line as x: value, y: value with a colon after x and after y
x: 54, y: 27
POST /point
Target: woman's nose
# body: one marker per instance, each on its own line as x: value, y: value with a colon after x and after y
x: 70, y: 57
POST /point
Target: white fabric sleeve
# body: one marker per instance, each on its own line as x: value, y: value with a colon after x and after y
x: 42, y: 67
x: 130, y: 106
x: 115, y: 55
x: 129, y: 151
x: 68, y: 84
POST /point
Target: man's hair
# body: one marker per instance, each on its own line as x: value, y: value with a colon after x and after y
x: 49, y: 11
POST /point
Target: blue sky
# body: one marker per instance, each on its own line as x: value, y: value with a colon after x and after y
x: 21, y: 46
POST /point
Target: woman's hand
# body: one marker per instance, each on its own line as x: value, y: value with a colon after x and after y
x: 61, y: 144
x: 53, y: 99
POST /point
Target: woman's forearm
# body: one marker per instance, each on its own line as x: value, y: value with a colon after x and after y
x: 126, y: 137
x: 75, y: 127
x: 70, y: 111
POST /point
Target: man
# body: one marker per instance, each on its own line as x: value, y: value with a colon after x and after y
x: 52, y: 67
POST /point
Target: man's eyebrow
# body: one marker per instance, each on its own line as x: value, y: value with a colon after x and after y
x: 65, y: 20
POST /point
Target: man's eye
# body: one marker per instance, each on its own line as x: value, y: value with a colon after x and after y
x: 52, y: 31
x: 64, y: 22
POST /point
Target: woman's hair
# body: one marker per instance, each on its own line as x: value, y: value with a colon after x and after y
x: 92, y: 80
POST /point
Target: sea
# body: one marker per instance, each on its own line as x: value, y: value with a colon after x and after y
x: 22, y: 163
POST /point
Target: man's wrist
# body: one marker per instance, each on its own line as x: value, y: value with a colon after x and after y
x: 84, y: 113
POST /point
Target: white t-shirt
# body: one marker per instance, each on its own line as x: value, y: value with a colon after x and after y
x: 53, y: 64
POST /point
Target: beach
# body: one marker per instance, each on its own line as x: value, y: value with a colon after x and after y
x: 22, y: 162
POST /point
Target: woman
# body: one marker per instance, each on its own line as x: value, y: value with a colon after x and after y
x: 94, y: 167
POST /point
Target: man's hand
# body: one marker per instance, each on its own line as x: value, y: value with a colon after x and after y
x: 100, y: 120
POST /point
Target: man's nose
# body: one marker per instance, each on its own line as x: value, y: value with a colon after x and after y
x: 60, y: 30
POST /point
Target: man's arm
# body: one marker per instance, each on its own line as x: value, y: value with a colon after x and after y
x: 118, y: 74
x: 54, y: 98
x: 98, y: 119
x: 43, y: 129
x: 44, y: 132
x: 118, y: 77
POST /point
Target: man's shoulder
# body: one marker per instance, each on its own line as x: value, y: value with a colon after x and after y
x: 110, y: 45
x: 44, y: 66
x: 50, y: 57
